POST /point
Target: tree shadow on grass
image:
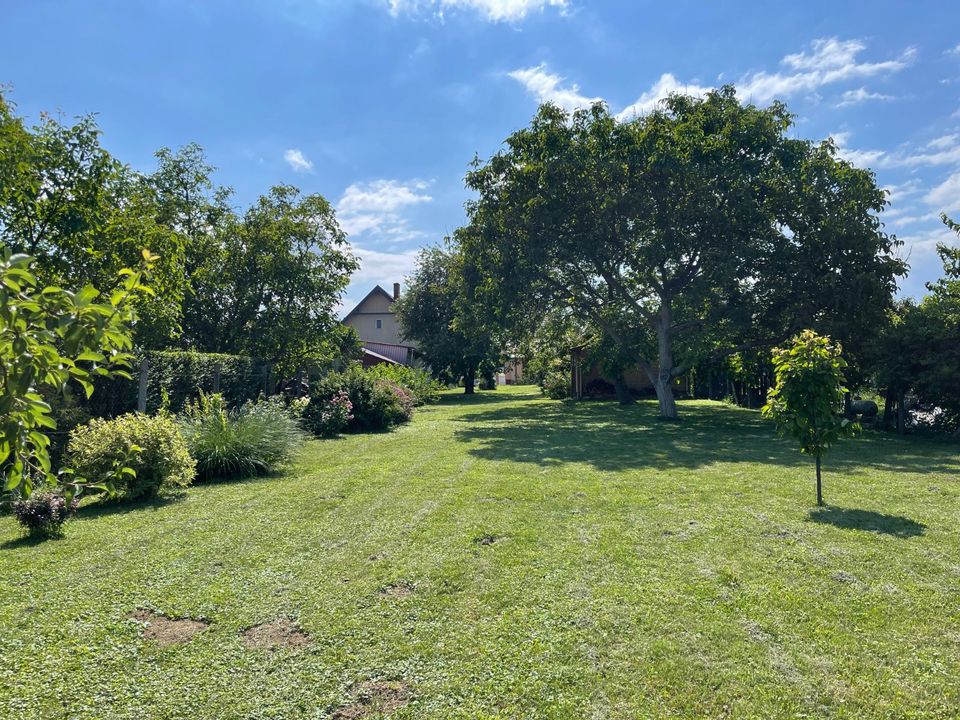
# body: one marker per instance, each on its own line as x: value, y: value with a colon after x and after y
x: 101, y: 507
x: 880, y: 523
x: 487, y: 397
x: 25, y: 541
x: 611, y: 437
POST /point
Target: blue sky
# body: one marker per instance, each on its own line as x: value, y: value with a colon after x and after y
x: 381, y: 104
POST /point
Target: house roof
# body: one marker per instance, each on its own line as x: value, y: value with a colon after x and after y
x: 378, y: 356
x: 376, y: 289
x: 396, y: 353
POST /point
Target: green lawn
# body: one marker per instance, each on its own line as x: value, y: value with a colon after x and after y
x: 540, y: 560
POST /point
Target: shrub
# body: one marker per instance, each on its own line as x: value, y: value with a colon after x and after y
x: 151, y: 446
x: 377, y: 403
x: 556, y: 385
x: 254, y: 440
x: 418, y: 382
x: 44, y: 513
x: 330, y: 416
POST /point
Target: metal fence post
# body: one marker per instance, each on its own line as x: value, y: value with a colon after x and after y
x: 142, y: 389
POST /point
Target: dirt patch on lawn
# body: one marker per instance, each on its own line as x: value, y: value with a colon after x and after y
x: 488, y: 539
x: 374, y: 696
x: 398, y: 590
x: 844, y: 577
x: 280, y: 633
x: 165, y: 631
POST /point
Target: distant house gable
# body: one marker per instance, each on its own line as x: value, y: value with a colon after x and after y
x: 377, y: 301
x: 376, y: 324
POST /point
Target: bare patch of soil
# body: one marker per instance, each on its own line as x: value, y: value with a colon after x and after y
x: 397, y: 590
x: 279, y: 633
x: 488, y: 539
x: 166, y: 631
x: 844, y: 577
x: 374, y: 696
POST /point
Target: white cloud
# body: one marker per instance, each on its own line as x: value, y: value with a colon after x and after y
x: 492, y: 10
x: 827, y: 53
x: 896, y: 193
x: 900, y: 220
x: 383, y: 196
x: 374, y: 209
x: 943, y: 142
x: 666, y: 85
x: 946, y: 196
x: 944, y: 150
x: 860, y: 95
x: 926, y: 240
x: 829, y: 61
x: 952, y: 51
x: 383, y: 267
x: 860, y: 158
x: 546, y: 87
x: 298, y: 161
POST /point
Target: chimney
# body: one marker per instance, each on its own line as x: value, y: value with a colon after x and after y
x: 396, y: 291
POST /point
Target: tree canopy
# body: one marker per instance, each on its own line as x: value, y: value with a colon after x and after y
x: 698, y: 229
x: 440, y: 314
x: 265, y: 282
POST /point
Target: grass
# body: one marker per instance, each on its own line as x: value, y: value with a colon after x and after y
x: 512, y: 557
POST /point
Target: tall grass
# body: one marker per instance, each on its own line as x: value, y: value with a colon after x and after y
x: 254, y: 440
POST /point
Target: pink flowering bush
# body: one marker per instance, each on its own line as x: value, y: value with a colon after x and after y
x: 326, y: 417
x: 357, y: 400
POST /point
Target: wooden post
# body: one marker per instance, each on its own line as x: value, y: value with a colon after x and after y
x: 142, y: 389
x: 216, y: 379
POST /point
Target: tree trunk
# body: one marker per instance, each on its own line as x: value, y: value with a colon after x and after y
x: 819, y: 485
x: 663, y: 382
x: 901, y: 412
x: 624, y: 397
x: 888, y: 402
x: 469, y: 381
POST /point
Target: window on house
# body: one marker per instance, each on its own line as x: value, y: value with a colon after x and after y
x: 379, y: 324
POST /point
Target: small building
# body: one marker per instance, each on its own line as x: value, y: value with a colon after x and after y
x: 589, y: 380
x: 376, y: 323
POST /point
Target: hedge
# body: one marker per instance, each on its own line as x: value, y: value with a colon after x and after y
x: 175, y: 378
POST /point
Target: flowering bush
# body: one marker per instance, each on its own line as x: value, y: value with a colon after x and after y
x: 44, y: 513
x: 416, y: 382
x: 326, y: 417
x: 376, y: 403
x: 406, y: 400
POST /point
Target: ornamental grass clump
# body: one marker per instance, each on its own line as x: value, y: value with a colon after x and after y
x: 255, y: 439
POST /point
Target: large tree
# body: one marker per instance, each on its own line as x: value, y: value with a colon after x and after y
x: 697, y: 229
x: 270, y: 282
x: 440, y: 314
x: 83, y: 216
